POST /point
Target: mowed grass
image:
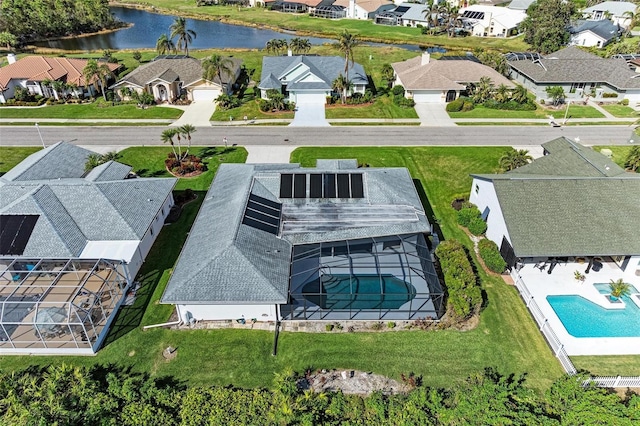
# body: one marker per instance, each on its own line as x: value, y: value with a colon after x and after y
x: 10, y: 156
x: 382, y: 107
x: 621, y: 111
x: 506, y: 337
x: 95, y: 110
x: 575, y: 111
x: 620, y: 152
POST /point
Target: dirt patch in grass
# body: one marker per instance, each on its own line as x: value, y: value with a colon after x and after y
x: 351, y: 382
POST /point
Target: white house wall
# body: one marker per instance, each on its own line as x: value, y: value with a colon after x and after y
x: 483, y: 195
x: 152, y: 233
x: 227, y: 312
x: 588, y: 39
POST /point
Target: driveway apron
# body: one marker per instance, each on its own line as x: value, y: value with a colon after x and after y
x: 433, y: 114
x: 309, y: 115
x: 197, y: 114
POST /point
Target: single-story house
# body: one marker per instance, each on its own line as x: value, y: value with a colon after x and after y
x: 281, y: 242
x: 289, y: 6
x: 617, y: 12
x: 71, y: 244
x: 404, y: 14
x: 31, y: 71
x: 167, y: 77
x: 307, y: 79
x: 491, y: 21
x: 594, y: 33
x: 365, y: 9
x: 428, y: 81
x: 329, y: 9
x: 571, y: 203
x: 579, y: 73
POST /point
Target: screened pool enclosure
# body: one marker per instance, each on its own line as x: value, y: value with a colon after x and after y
x: 58, y: 305
x: 390, y: 277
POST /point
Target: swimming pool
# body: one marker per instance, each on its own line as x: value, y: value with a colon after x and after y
x: 583, y: 318
x: 359, y: 292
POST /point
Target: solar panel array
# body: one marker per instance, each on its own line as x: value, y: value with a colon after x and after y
x: 15, y: 231
x: 262, y: 214
x: 321, y: 185
x: 472, y: 14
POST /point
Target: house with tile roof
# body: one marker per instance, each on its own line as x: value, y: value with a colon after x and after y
x: 71, y: 244
x: 579, y: 73
x: 31, y: 72
x: 282, y: 242
x: 594, y: 33
x: 167, y: 77
x: 427, y: 81
x: 618, y: 12
x: 572, y: 203
x: 305, y: 79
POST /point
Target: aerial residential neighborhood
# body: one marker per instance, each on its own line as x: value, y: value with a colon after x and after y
x: 319, y: 212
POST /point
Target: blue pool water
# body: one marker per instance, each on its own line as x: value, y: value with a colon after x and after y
x: 359, y: 292
x: 582, y: 318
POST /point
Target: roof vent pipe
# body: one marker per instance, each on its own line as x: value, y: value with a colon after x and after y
x: 11, y: 58
x: 289, y: 52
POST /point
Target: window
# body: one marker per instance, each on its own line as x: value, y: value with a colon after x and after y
x: 477, y: 188
x: 151, y: 231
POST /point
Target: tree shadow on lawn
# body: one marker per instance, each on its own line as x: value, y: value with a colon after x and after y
x: 162, y: 257
x: 431, y: 217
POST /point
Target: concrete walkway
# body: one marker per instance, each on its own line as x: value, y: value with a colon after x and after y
x: 603, y: 111
x: 433, y: 114
x: 196, y: 113
x: 269, y: 154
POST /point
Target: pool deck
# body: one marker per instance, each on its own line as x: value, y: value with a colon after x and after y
x: 562, y: 282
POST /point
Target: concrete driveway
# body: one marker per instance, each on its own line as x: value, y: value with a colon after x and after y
x: 309, y: 115
x: 196, y: 113
x: 433, y: 115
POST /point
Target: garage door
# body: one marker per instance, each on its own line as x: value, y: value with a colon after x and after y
x: 427, y: 97
x: 311, y: 98
x: 205, y: 95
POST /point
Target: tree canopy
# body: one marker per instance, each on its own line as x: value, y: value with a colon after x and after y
x: 33, y: 19
x: 546, y: 25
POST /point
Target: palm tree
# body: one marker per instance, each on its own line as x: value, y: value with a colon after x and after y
x: 513, y: 159
x: 58, y: 86
x: 520, y: 94
x: 503, y: 93
x: 165, y: 45
x: 110, y: 156
x: 387, y: 74
x: 619, y: 288
x: 556, y: 93
x: 341, y: 85
x: 167, y: 136
x: 632, y: 162
x: 97, y: 72
x: 185, y: 36
x: 300, y: 45
x: 346, y: 43
x: 187, y: 130
x: 483, y: 90
x: 74, y: 89
x: 272, y: 46
x: 93, y: 160
x: 217, y: 66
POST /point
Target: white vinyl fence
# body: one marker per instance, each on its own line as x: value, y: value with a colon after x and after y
x: 556, y: 345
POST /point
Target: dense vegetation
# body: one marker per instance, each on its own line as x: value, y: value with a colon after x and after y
x: 463, y: 290
x: 66, y: 395
x: 33, y: 19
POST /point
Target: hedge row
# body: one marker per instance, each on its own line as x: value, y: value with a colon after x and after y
x: 464, y: 293
x: 491, y: 256
x: 509, y: 105
x: 469, y: 217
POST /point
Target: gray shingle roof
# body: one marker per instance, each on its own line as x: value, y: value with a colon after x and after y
x: 225, y: 261
x: 60, y: 160
x: 617, y: 8
x: 111, y: 170
x: 73, y: 210
x: 576, y: 204
x: 326, y: 68
x: 572, y: 65
x: 604, y: 28
x: 520, y: 4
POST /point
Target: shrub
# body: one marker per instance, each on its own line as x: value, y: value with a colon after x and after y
x: 609, y: 95
x: 462, y: 288
x: 467, y: 213
x: 477, y: 226
x: 391, y: 324
x: 329, y: 327
x: 491, y: 256
x: 401, y: 101
x: 377, y: 326
x: 455, y: 106
x: 625, y: 102
x: 468, y: 106
x: 509, y: 105
x: 397, y: 90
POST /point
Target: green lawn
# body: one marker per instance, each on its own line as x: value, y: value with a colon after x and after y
x: 307, y: 25
x: 10, y: 156
x: 251, y: 111
x: 575, y: 111
x: 382, y: 107
x: 98, y: 109
x: 620, y: 152
x: 621, y: 111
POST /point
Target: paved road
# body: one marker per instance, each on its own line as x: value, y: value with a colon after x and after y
x: 337, y: 135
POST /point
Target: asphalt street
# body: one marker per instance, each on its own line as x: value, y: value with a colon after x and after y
x: 325, y: 136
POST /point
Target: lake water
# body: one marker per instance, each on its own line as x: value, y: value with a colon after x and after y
x: 148, y: 27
